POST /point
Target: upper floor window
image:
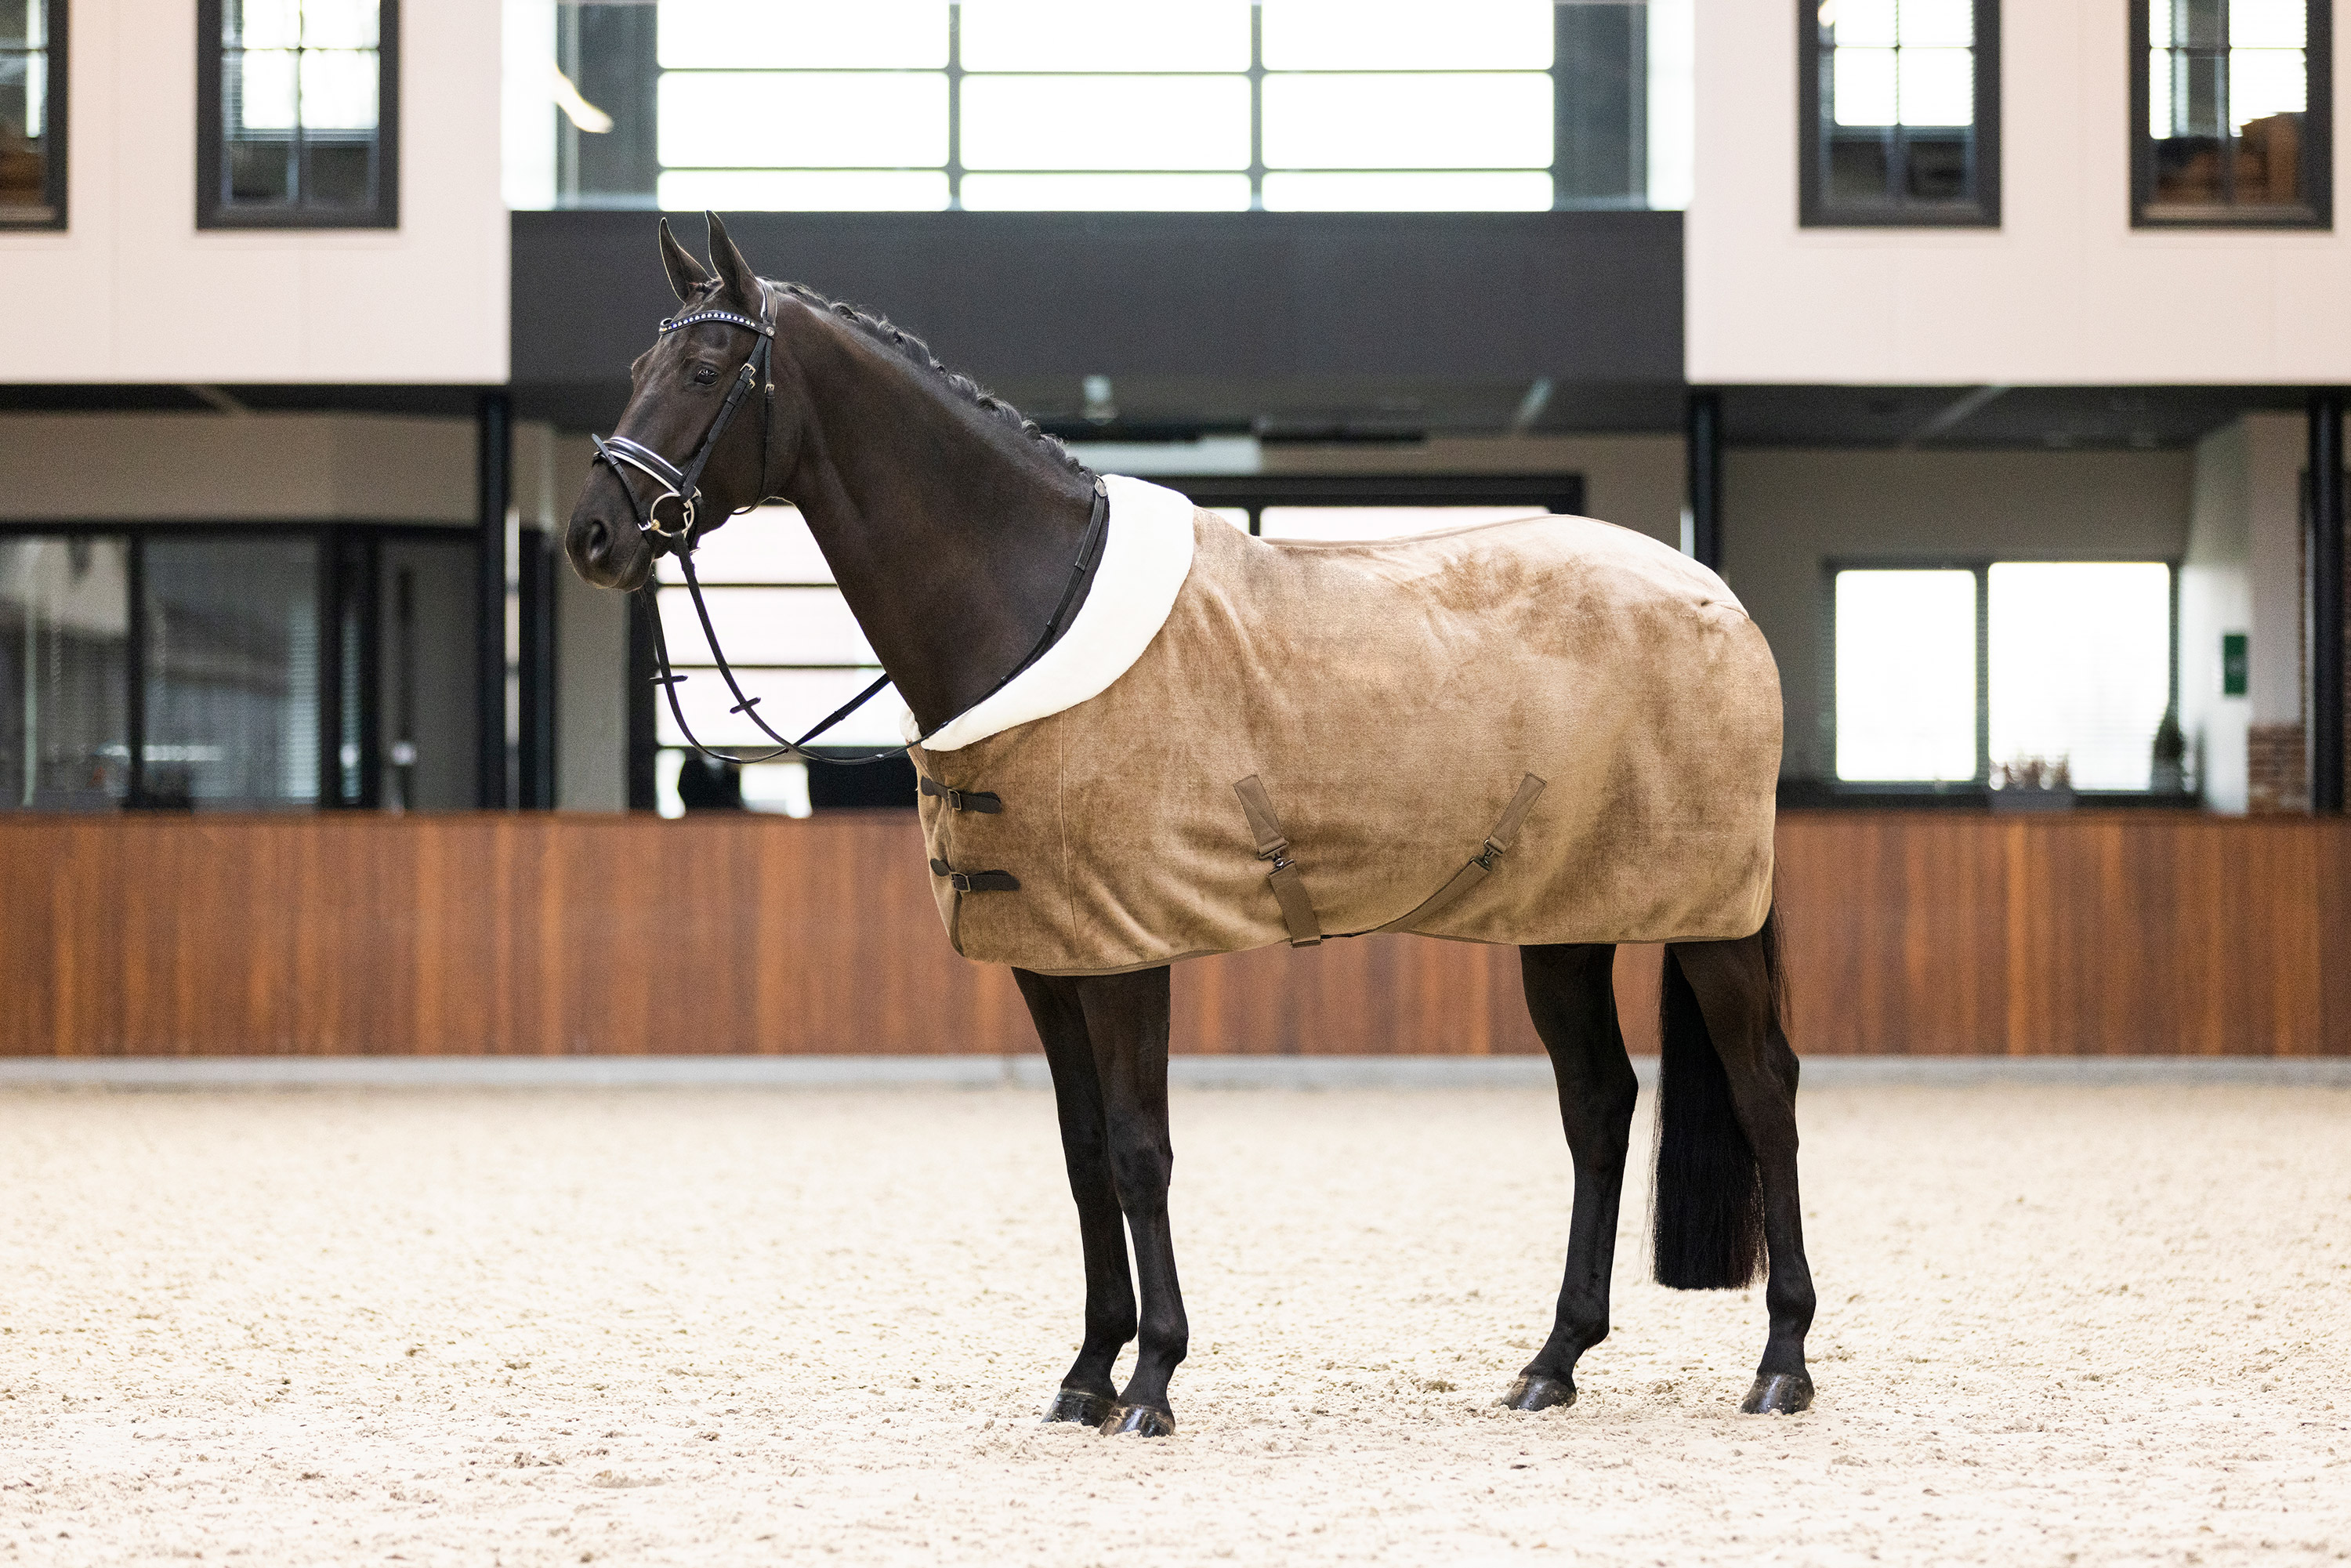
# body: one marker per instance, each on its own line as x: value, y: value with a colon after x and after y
x: 2229, y: 121
x: 1167, y: 105
x: 1899, y: 107
x: 298, y: 114
x: 33, y: 113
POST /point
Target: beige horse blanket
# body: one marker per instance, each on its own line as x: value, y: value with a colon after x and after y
x: 1546, y: 730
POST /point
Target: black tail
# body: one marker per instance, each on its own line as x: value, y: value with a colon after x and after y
x: 1706, y: 1217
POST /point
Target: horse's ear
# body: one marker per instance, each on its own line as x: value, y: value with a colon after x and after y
x: 686, y: 273
x: 741, y: 281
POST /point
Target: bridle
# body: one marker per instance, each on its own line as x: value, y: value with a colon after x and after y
x: 684, y: 486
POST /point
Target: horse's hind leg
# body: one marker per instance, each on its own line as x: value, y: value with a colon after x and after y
x: 1086, y: 1393
x: 1571, y: 996
x: 1126, y: 1023
x: 1736, y: 988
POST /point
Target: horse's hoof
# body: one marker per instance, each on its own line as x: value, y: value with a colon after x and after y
x: 1778, y: 1393
x: 1077, y: 1405
x: 1534, y: 1391
x: 1140, y: 1421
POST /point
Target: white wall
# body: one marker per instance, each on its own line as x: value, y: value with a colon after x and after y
x: 2242, y: 573
x: 2216, y: 599
x: 208, y: 467
x: 1788, y: 512
x: 132, y: 292
x: 591, y: 634
x: 2065, y: 292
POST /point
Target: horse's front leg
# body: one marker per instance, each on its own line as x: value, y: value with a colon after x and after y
x: 1086, y: 1393
x: 1571, y: 996
x: 1126, y: 1023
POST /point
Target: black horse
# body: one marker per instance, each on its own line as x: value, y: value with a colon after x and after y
x: 950, y: 524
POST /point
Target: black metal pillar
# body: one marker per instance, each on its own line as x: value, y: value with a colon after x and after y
x: 2326, y: 599
x: 493, y: 442
x: 537, y: 786
x: 1702, y: 436
x: 644, y: 734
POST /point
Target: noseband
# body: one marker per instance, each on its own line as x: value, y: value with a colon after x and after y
x: 684, y: 485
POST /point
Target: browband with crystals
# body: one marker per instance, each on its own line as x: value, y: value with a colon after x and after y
x: 672, y: 323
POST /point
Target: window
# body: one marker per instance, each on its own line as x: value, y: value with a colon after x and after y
x: 792, y: 642
x: 65, y: 629
x: 1945, y: 674
x: 1900, y: 112
x: 1059, y: 105
x: 2230, y: 121
x: 297, y: 105
x: 33, y: 114
x: 1905, y: 676
x: 241, y: 669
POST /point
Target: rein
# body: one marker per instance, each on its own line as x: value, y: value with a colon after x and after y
x: 684, y: 485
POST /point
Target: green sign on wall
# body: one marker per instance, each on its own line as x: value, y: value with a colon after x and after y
x: 2236, y: 660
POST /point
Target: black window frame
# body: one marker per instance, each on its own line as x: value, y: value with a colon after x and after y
x: 2317, y: 156
x: 55, y: 26
x: 213, y: 212
x: 1815, y: 210
x: 1977, y: 790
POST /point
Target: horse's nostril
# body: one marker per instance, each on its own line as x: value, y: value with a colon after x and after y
x: 596, y: 540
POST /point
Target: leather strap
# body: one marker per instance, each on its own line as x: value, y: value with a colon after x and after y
x: 1480, y: 866
x: 979, y: 800
x: 1298, y: 917
x: 976, y: 880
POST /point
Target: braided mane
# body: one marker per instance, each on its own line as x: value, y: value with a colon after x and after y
x: 913, y: 349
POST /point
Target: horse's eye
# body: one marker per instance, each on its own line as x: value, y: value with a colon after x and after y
x: 704, y: 374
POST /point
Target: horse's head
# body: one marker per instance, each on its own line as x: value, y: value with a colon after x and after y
x: 694, y: 445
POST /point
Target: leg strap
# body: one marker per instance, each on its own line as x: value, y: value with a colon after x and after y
x: 1481, y: 865
x: 1288, y: 883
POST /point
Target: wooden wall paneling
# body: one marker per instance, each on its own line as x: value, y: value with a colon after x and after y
x: 1829, y: 916
x: 1920, y: 931
x: 2282, y: 904
x: 2330, y: 871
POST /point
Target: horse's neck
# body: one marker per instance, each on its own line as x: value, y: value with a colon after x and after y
x: 951, y: 534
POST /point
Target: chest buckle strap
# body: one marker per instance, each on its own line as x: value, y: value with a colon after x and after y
x: 979, y: 800
x: 976, y: 880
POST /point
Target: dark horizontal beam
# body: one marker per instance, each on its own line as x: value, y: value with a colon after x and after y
x: 1574, y: 296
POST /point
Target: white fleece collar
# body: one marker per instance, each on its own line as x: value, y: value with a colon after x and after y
x: 1146, y: 554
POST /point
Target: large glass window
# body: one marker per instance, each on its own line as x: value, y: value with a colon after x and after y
x: 231, y: 672
x: 1168, y: 105
x: 33, y: 113
x: 221, y: 668
x: 1899, y: 102
x: 791, y: 641
x: 2029, y: 670
x: 65, y: 629
x: 298, y: 109
x: 2230, y: 112
x: 1905, y: 676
